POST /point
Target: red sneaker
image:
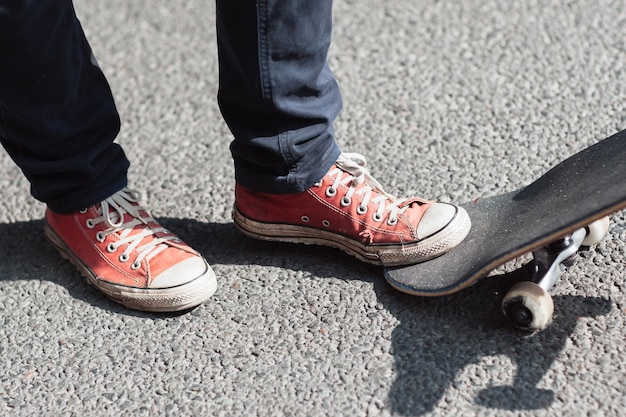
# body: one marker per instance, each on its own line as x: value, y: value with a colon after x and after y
x: 349, y: 209
x: 127, y: 255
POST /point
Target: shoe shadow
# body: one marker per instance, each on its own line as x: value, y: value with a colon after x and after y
x: 435, y: 339
x: 27, y: 256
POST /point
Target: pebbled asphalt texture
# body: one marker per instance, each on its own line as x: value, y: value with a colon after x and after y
x: 449, y: 100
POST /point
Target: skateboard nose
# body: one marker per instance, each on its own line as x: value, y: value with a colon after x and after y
x: 438, y: 216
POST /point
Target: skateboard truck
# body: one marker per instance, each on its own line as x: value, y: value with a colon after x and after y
x: 551, y: 260
x: 527, y: 305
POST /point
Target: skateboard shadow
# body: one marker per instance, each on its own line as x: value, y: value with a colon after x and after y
x: 436, y: 338
x: 467, y: 328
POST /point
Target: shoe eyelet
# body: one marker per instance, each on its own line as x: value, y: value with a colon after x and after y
x: 331, y: 192
x: 377, y: 217
x: 90, y: 224
x: 83, y: 211
x: 100, y: 237
x: 361, y: 209
x: 392, y: 222
x: 305, y: 219
x: 124, y: 257
x: 345, y: 201
x: 135, y: 265
x: 325, y: 223
x: 111, y: 248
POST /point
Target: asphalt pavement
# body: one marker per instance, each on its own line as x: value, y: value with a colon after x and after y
x: 450, y: 100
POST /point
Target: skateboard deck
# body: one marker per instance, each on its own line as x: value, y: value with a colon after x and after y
x: 585, y: 187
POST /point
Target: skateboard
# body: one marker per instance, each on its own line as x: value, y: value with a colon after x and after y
x: 551, y: 218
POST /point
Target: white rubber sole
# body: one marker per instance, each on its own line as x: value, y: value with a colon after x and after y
x: 387, y: 255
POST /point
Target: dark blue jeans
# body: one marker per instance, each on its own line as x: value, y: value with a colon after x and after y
x: 57, y: 116
x: 277, y: 93
x: 58, y: 119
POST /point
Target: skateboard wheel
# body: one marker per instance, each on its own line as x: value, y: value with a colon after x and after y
x: 528, y: 307
x: 596, y: 231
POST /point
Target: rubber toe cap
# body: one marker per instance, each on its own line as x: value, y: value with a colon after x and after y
x: 182, y: 273
x: 436, y: 218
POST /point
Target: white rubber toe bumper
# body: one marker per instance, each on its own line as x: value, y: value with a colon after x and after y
x: 436, y: 218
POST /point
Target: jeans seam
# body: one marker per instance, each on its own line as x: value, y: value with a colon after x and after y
x: 266, y: 88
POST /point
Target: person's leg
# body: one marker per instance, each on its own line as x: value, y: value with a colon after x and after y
x: 277, y: 93
x: 58, y: 122
x: 279, y: 98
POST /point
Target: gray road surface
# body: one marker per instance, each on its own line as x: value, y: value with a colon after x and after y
x: 448, y: 99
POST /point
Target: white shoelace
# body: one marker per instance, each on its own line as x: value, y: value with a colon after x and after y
x: 355, y: 165
x: 111, y: 212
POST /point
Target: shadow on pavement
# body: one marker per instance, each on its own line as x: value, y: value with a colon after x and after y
x: 25, y: 254
x: 467, y: 327
x: 436, y: 337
